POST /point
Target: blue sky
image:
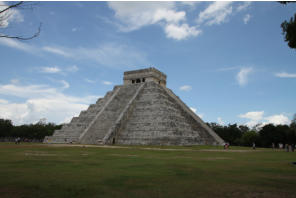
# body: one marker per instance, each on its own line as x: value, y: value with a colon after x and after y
x: 226, y: 60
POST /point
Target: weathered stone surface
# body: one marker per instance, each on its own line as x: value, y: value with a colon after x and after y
x: 138, y: 113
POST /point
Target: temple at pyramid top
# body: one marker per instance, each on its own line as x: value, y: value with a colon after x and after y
x: 144, y: 75
x: 142, y: 111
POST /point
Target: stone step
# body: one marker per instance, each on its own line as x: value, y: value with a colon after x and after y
x: 107, y: 119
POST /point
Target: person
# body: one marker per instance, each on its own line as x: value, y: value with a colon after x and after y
x: 287, y: 147
x: 273, y: 146
x: 254, y: 146
x: 227, y: 145
x: 280, y: 145
x: 16, y: 140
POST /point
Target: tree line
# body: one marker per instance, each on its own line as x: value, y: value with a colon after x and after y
x: 241, y: 135
x: 27, y: 132
x: 234, y: 134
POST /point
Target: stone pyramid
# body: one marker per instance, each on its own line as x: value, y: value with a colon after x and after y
x: 143, y: 111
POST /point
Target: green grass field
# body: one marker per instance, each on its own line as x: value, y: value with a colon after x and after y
x: 36, y: 170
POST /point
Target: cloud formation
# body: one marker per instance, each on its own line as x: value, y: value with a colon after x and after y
x: 39, y: 101
x: 243, y: 6
x: 243, y: 74
x: 58, y: 70
x: 107, y: 83
x: 57, y: 51
x: 195, y: 111
x: 216, y: 13
x: 257, y: 117
x: 180, y: 32
x: 50, y: 70
x: 11, y: 15
x: 285, y: 75
x: 220, y: 121
x: 247, y: 18
x: 135, y: 15
x: 185, y: 88
x: 17, y: 45
x: 108, y: 54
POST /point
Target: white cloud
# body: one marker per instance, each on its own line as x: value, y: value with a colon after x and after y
x: 58, y: 70
x: 253, y: 115
x: 185, y: 88
x: 216, y: 13
x: 180, y: 32
x: 41, y: 101
x: 246, y: 19
x: 11, y: 15
x: 243, y: 6
x: 56, y: 50
x: 220, y: 121
x: 257, y: 117
x: 66, y: 85
x: 278, y: 119
x: 17, y: 45
x: 109, y: 54
x: 50, y: 70
x: 285, y: 75
x: 2, y: 101
x: 243, y: 74
x: 189, y: 3
x: 90, y: 81
x: 195, y: 111
x: 107, y: 83
x: 135, y: 15
x: 74, y: 29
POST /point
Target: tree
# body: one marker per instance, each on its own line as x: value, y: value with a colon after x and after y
x: 5, y: 127
x: 289, y: 31
x: 274, y: 134
x: 289, y: 28
x: 249, y: 138
x: 6, y: 12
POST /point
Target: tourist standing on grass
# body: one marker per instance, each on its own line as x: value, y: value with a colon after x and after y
x: 254, y: 145
x: 273, y: 146
x: 287, y: 147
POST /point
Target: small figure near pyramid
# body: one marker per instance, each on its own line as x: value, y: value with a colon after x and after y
x: 142, y: 111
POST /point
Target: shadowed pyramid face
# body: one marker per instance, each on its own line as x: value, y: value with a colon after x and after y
x: 142, y: 111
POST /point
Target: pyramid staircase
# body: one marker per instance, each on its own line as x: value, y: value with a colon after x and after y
x: 145, y: 113
x: 91, y: 126
x: 160, y: 118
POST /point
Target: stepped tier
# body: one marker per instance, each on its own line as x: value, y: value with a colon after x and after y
x: 158, y: 119
x: 142, y: 111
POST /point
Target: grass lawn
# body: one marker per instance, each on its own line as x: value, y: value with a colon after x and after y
x: 36, y: 170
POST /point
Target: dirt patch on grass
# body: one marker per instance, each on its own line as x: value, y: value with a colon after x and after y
x: 217, y: 158
x: 122, y: 155
x: 40, y: 154
x: 229, y: 150
x: 151, y: 148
